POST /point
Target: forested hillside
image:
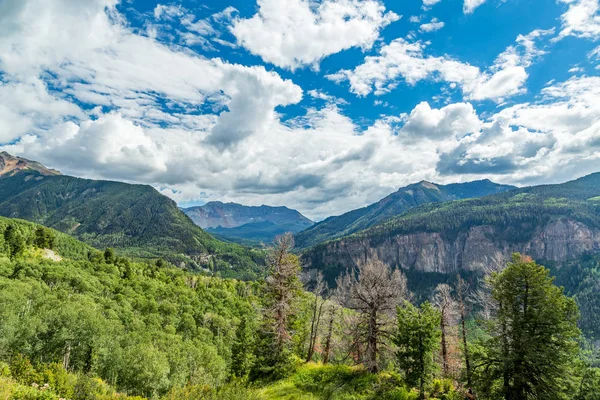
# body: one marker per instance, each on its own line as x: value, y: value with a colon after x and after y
x: 135, y: 219
x: 393, y: 205
x: 80, y: 324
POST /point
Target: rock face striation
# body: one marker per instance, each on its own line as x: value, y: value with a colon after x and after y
x: 475, y: 249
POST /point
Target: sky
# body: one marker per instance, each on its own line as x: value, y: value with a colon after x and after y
x: 322, y: 106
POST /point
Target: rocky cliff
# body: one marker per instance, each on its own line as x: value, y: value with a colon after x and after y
x: 479, y: 248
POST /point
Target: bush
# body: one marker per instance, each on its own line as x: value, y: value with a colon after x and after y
x: 33, y: 393
x: 22, y: 370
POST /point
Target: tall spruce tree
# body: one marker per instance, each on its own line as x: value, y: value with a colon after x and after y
x: 282, y: 286
x: 417, y: 339
x: 533, y: 340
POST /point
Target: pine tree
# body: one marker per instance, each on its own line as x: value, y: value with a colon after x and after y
x: 417, y: 339
x: 15, y: 240
x: 281, y: 289
x: 242, y: 356
x: 533, y: 344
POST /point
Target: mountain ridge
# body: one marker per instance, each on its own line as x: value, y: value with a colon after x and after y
x: 247, y: 224
x: 394, y: 204
x: 135, y: 219
x: 551, y: 223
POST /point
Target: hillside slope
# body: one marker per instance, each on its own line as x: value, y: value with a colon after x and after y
x: 241, y: 223
x: 551, y: 223
x: 396, y: 203
x: 135, y: 219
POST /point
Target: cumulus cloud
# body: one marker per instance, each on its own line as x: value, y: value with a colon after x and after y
x: 96, y: 59
x: 581, y: 19
x: 454, y: 120
x: 536, y: 140
x: 432, y: 26
x: 296, y: 33
x: 407, y: 60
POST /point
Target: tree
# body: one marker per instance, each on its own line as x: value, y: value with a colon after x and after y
x: 281, y: 289
x: 15, y: 240
x: 242, y: 356
x: 418, y: 338
x: 445, y: 304
x: 461, y: 292
x: 373, y: 291
x: 319, y: 288
x: 328, y: 338
x: 109, y: 255
x: 44, y: 238
x: 533, y: 339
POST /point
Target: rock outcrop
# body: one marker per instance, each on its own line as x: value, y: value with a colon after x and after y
x: 480, y: 248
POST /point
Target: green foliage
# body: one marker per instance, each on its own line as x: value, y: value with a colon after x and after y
x: 44, y: 238
x: 532, y: 349
x: 581, y: 280
x: 142, y: 328
x: 589, y: 386
x: 242, y: 357
x: 417, y: 339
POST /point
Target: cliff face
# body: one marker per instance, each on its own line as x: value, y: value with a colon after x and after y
x: 476, y: 249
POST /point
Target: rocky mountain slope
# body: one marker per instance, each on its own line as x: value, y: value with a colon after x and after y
x: 10, y: 165
x: 396, y: 203
x: 135, y: 219
x: 551, y: 223
x: 245, y: 223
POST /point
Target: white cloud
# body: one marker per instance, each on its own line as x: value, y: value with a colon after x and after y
x: 296, y: 33
x: 454, y: 120
x: 552, y: 140
x: 470, y: 5
x: 403, y: 59
x: 324, y: 96
x: 94, y: 57
x: 428, y: 3
x: 581, y: 19
x: 432, y: 26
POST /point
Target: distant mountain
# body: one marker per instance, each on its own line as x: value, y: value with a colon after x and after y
x: 135, y: 219
x: 10, y: 165
x: 247, y: 224
x: 395, y: 204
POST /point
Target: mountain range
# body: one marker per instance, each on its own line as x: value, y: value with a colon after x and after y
x: 552, y: 223
x: 246, y: 224
x: 430, y: 231
x: 396, y: 203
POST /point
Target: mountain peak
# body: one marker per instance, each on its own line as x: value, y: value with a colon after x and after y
x: 11, y: 165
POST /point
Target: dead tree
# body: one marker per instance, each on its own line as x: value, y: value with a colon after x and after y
x: 319, y: 288
x: 443, y: 301
x: 327, y: 352
x: 374, y: 291
x: 462, y: 290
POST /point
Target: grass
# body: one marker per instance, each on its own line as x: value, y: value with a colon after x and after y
x: 316, y: 381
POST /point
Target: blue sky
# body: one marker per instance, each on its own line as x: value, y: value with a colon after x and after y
x: 323, y: 106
